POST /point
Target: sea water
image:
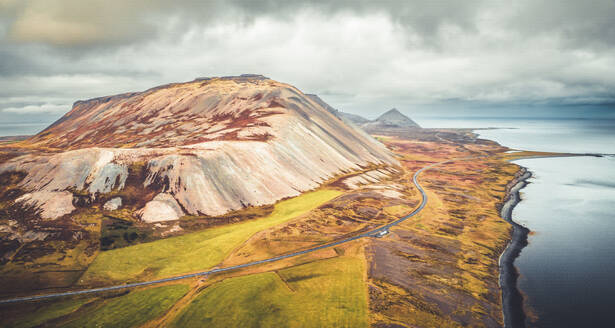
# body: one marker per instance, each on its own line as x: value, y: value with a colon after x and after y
x: 568, y: 267
x: 21, y: 129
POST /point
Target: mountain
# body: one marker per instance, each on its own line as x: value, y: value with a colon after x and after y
x: 387, y: 122
x: 322, y: 103
x: 204, y: 147
x: 346, y: 117
x: 394, y: 118
x: 354, y: 118
x: 391, y: 123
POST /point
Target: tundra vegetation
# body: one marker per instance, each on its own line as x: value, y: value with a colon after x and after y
x: 438, y: 268
x: 323, y: 181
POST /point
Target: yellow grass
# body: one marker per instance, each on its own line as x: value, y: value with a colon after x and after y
x: 44, y: 312
x: 325, y: 293
x: 195, y: 251
x: 131, y: 310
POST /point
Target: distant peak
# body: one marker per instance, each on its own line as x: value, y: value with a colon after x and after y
x: 393, y: 113
x: 394, y: 117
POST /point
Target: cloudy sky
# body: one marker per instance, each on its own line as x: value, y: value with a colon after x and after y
x: 423, y: 57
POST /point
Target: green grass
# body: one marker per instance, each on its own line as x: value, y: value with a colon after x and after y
x: 45, y: 312
x: 131, y: 310
x: 326, y: 293
x: 195, y: 251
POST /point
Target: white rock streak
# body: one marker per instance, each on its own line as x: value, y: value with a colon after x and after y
x: 52, y: 204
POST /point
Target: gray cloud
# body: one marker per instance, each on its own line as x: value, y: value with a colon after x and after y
x: 74, y: 22
x: 362, y: 56
x: 579, y: 24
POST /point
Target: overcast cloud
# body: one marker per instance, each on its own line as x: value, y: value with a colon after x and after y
x: 360, y: 56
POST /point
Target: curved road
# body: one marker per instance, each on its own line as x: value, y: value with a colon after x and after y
x: 372, y: 233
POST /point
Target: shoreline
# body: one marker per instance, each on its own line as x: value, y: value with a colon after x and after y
x: 512, y: 299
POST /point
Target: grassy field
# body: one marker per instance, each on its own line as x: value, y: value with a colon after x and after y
x: 194, y: 251
x: 130, y: 310
x: 43, y: 312
x: 326, y: 293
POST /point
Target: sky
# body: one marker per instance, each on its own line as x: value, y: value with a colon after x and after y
x: 426, y: 58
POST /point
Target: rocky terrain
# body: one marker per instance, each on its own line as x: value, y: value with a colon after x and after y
x: 354, y: 118
x: 211, y: 146
x: 349, y: 118
x: 215, y: 173
x: 394, y: 118
x: 392, y: 122
x: 127, y: 169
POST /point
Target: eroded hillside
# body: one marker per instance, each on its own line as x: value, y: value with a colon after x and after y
x: 200, y: 150
x: 214, y: 145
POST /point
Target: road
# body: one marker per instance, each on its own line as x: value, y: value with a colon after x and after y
x: 372, y: 233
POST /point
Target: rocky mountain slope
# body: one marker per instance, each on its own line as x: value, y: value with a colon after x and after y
x: 204, y: 147
x: 391, y: 121
x: 346, y: 117
x: 354, y: 118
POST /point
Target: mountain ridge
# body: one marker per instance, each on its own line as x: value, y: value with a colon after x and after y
x: 391, y: 119
x: 212, y: 145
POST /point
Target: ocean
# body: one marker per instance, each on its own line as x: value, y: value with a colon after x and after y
x: 566, y: 271
x: 20, y: 129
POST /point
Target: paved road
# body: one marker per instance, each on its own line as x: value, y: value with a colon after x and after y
x: 372, y: 233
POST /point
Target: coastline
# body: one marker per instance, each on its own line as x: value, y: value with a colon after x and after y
x: 512, y: 299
